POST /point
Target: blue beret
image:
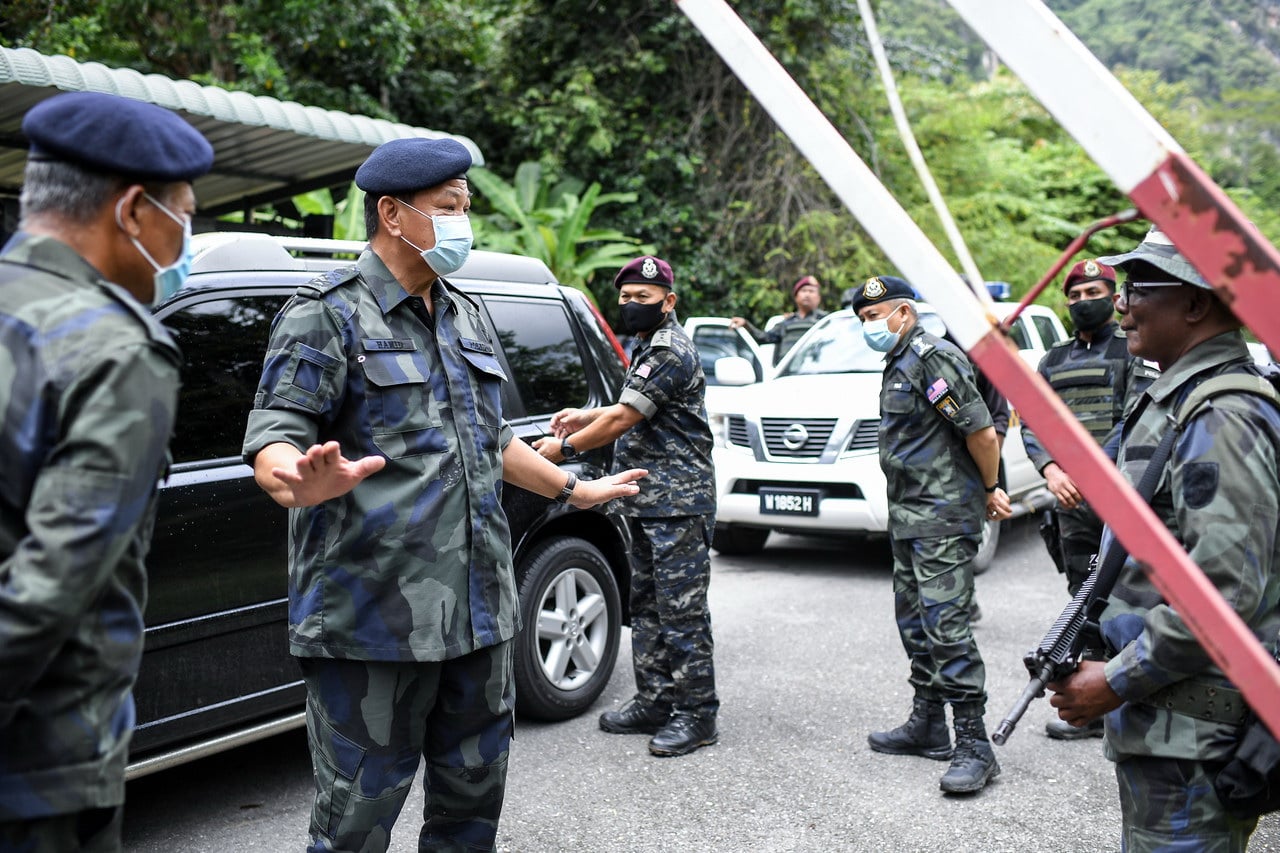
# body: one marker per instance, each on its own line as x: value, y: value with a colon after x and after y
x: 879, y: 289
x: 117, y: 136
x: 646, y: 270
x: 412, y: 164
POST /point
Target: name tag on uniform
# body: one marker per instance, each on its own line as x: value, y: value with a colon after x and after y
x: 476, y: 346
x: 388, y: 344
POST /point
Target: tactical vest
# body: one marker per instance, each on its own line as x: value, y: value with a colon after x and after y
x: 793, y: 330
x: 1093, y: 388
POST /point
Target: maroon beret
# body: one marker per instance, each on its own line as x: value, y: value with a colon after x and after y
x: 646, y: 270
x: 1089, y: 270
x: 795, y: 288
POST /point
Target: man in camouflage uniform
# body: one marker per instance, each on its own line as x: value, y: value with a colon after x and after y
x: 1169, y: 709
x: 1095, y: 376
x: 941, y: 460
x: 88, y: 392
x: 807, y: 294
x: 660, y: 423
x: 402, y: 595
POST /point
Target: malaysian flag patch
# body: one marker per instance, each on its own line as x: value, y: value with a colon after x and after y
x: 937, y: 390
x: 643, y: 371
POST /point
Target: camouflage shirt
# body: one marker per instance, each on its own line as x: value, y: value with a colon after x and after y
x: 414, y: 564
x: 1220, y: 498
x: 88, y: 390
x: 929, y: 404
x: 665, y: 384
x: 1098, y: 380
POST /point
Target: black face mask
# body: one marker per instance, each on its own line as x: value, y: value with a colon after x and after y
x: 1091, y: 314
x: 639, y: 317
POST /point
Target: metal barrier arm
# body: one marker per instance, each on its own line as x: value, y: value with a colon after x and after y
x: 1226, y: 638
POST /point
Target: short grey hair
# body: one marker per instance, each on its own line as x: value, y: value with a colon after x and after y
x: 65, y: 190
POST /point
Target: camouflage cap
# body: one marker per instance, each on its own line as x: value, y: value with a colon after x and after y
x: 1158, y: 250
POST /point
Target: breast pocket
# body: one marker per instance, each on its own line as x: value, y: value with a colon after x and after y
x: 899, y: 413
x: 487, y: 377
x: 403, y: 415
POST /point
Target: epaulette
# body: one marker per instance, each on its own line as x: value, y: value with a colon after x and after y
x: 322, y: 284
x: 922, y: 346
x: 661, y: 338
x: 1065, y: 342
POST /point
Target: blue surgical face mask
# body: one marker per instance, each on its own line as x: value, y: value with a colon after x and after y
x: 453, y: 242
x: 167, y: 280
x: 877, y: 334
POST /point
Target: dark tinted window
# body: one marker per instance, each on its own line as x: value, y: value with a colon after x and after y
x: 716, y: 342
x: 542, y: 353
x: 1048, y: 332
x: 224, y: 342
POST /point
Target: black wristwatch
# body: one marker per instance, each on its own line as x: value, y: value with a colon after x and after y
x: 567, y: 450
x: 991, y: 489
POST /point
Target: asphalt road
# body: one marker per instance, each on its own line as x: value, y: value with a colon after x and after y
x: 808, y: 662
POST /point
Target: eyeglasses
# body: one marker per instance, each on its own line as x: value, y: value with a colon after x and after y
x: 1140, y: 289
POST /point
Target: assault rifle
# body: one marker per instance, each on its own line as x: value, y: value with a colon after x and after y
x: 1076, y: 628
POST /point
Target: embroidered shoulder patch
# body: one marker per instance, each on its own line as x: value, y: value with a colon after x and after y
x: 661, y: 339
x: 947, y: 408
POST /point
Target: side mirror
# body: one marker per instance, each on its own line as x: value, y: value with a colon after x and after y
x: 733, y: 370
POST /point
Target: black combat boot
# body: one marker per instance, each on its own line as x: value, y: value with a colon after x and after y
x: 634, y: 718
x: 684, y: 733
x: 974, y: 764
x: 924, y: 733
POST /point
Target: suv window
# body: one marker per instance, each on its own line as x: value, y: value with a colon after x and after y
x: 1048, y: 332
x: 716, y: 342
x: 223, y: 341
x: 548, y: 371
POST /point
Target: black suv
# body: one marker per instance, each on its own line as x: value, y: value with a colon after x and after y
x: 216, y: 671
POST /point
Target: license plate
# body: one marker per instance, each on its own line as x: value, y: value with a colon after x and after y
x: 789, y: 501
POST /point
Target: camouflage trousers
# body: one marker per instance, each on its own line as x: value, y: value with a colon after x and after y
x: 671, y: 645
x: 369, y: 723
x: 89, y: 831
x: 1081, y: 531
x: 932, y: 592
x: 1168, y: 805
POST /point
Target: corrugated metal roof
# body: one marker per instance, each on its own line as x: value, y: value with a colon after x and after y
x: 264, y: 147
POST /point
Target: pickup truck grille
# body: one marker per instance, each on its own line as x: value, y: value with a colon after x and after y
x: 738, y: 431
x: 866, y: 435
x: 804, y: 438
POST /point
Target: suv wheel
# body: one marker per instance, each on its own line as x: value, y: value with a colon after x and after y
x: 987, y: 549
x: 572, y: 616
x: 733, y: 540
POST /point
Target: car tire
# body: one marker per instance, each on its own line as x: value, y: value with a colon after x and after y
x: 572, y: 615
x: 987, y: 549
x: 734, y: 540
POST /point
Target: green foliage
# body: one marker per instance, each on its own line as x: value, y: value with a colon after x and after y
x: 538, y: 216
x: 628, y: 95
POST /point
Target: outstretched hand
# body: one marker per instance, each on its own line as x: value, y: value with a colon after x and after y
x: 591, y: 492
x: 323, y: 473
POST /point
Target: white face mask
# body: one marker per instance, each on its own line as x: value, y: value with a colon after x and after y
x: 453, y: 242
x: 166, y: 280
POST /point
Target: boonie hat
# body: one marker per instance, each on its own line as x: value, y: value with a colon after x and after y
x: 1158, y: 250
x: 412, y: 164
x: 879, y: 289
x: 1086, y: 271
x: 645, y: 270
x: 116, y: 136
